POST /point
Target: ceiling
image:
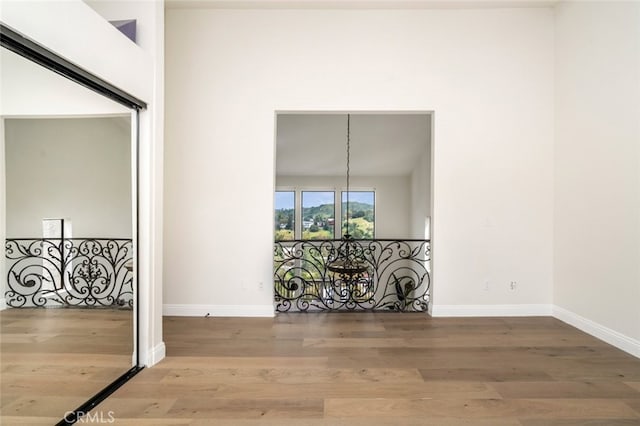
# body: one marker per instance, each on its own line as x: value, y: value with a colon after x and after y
x: 381, y: 144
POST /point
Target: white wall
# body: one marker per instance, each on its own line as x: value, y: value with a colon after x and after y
x: 421, y: 192
x: 393, y: 201
x: 487, y: 74
x: 597, y: 168
x: 68, y: 27
x: 71, y: 168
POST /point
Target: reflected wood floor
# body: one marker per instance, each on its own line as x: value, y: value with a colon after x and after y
x: 379, y: 369
x: 53, y: 360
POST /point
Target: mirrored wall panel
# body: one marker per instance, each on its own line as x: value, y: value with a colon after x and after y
x: 68, y: 283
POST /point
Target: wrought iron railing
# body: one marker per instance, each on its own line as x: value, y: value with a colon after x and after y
x: 70, y: 272
x: 397, y: 277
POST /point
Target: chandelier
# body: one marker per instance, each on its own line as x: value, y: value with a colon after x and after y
x: 349, y: 263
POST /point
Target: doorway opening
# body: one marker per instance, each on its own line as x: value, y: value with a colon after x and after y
x: 364, y: 175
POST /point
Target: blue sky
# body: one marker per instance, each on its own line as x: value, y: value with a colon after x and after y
x: 284, y: 200
x: 359, y: 196
x: 316, y: 198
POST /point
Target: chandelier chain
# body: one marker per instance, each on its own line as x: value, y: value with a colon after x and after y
x: 348, y: 166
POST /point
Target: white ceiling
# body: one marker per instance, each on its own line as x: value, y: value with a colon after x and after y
x: 381, y: 144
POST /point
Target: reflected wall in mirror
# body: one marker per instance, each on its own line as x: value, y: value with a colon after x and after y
x: 68, y: 288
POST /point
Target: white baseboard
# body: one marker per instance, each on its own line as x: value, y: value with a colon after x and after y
x: 491, y: 310
x: 614, y: 338
x: 156, y: 355
x: 218, y: 310
x: 3, y: 304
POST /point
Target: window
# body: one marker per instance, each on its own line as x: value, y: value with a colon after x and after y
x: 361, y: 214
x: 312, y: 216
x: 318, y: 215
x: 285, y: 215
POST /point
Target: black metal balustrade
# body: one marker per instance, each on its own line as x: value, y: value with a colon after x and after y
x: 397, y: 276
x: 70, y: 272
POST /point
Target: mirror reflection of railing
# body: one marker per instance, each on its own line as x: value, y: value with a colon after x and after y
x: 70, y: 272
x: 397, y: 278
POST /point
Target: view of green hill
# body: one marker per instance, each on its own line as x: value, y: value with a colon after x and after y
x: 361, y: 221
x: 360, y: 228
x: 358, y: 210
x: 325, y: 211
x: 284, y: 213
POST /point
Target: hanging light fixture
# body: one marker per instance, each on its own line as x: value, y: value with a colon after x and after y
x: 348, y: 264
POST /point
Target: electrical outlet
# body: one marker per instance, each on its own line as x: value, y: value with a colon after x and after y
x: 260, y: 286
x: 486, y: 285
x: 513, y: 285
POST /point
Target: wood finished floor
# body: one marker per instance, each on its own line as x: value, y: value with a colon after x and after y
x: 53, y: 360
x: 378, y: 369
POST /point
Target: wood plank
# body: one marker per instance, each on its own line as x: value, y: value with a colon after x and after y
x: 240, y: 408
x: 68, y: 359
x: 556, y: 389
x: 29, y: 420
x: 204, y: 389
x: 490, y: 374
x: 467, y: 341
x: 139, y: 407
x: 635, y: 385
x: 634, y: 404
x: 361, y: 421
x: 480, y: 408
x: 52, y: 385
x: 243, y: 362
x: 579, y: 422
x: 292, y: 376
x: 42, y: 406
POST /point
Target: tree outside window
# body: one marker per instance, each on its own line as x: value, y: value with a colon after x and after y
x: 318, y: 215
x: 361, y: 214
x: 285, y: 215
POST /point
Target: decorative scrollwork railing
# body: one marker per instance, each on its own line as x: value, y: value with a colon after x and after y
x: 70, y: 272
x: 397, y: 277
